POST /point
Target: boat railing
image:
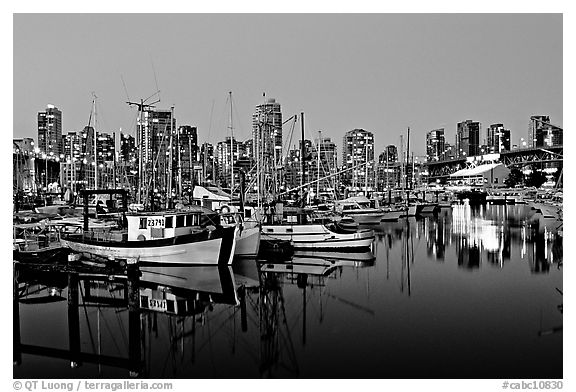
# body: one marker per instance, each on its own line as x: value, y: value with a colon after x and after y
x: 98, y: 235
x: 37, y: 241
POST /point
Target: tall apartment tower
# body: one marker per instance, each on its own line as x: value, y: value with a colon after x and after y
x: 544, y: 134
x: 358, y: 148
x: 497, y: 138
x: 50, y: 131
x: 155, y: 129
x: 537, y: 128
x: 187, y: 150
x: 267, y: 131
x: 435, y: 144
x: 468, y: 138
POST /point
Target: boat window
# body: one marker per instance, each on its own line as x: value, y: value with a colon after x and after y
x: 189, y: 220
x: 169, y: 222
x: 180, y: 220
x: 143, y: 224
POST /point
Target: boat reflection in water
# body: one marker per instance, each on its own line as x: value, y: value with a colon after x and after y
x: 430, y: 295
x: 122, y: 325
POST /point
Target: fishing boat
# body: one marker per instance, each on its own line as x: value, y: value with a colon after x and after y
x: 191, y: 236
x: 248, y: 235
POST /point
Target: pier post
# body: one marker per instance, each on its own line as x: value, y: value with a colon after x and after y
x: 243, y: 315
x: 134, y: 332
x: 73, y: 320
x: 16, y: 352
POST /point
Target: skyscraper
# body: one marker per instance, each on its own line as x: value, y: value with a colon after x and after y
x: 536, y: 130
x: 187, y: 147
x: 468, y: 138
x: 544, y: 134
x: 267, y: 131
x: 50, y: 131
x: 498, y: 138
x: 358, y: 148
x: 157, y: 131
x: 435, y: 144
x: 227, y: 152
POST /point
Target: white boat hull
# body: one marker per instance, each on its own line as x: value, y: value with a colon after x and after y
x: 217, y: 251
x: 366, y: 218
x: 393, y: 215
x: 248, y: 242
x: 318, y: 237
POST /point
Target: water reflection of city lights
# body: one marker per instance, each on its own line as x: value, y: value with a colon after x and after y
x: 476, y: 229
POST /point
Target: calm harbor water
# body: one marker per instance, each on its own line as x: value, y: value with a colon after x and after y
x: 470, y: 293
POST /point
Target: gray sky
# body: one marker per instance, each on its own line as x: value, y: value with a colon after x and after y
x: 380, y: 72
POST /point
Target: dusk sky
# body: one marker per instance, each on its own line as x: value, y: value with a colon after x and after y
x: 379, y: 72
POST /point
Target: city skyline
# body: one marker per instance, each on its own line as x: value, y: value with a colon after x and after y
x: 425, y: 76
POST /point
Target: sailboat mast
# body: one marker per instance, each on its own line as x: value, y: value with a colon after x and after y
x: 366, y: 174
x: 231, y: 150
x: 319, y: 146
x: 302, y: 163
x: 171, y: 160
x: 95, y: 144
x: 407, y: 156
x: 139, y: 139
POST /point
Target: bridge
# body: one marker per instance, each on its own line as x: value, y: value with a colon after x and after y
x: 534, y: 157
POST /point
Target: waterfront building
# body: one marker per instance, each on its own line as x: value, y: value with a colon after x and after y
x: 227, y: 153
x: 358, y: 148
x: 391, y: 152
x: 50, y: 131
x: 128, y: 151
x: 267, y: 132
x: 157, y: 134
x: 537, y: 128
x: 188, y: 153
x: 497, y: 138
x: 468, y: 138
x: 544, y: 134
x: 388, y: 169
x: 435, y: 144
x: 208, y: 162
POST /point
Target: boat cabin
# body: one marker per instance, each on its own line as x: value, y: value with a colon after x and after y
x: 168, y: 224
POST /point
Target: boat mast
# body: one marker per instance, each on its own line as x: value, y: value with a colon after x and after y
x: 231, y: 150
x: 95, y: 143
x: 302, y: 163
x: 318, y: 149
x: 407, y: 161
x: 366, y: 176
x: 171, y: 160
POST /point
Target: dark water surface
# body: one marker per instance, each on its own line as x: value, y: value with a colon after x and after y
x: 466, y: 294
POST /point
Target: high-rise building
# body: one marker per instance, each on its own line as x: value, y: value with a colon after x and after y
x: 358, y: 153
x: 227, y: 153
x: 388, y: 169
x: 208, y: 162
x: 537, y: 129
x: 158, y: 146
x: 50, y: 131
x: 322, y: 165
x: 468, y: 138
x: 267, y: 131
x: 435, y: 144
x: 128, y: 151
x: 544, y: 134
x: 187, y: 147
x: 391, y: 153
x: 105, y: 148
x: 497, y: 138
